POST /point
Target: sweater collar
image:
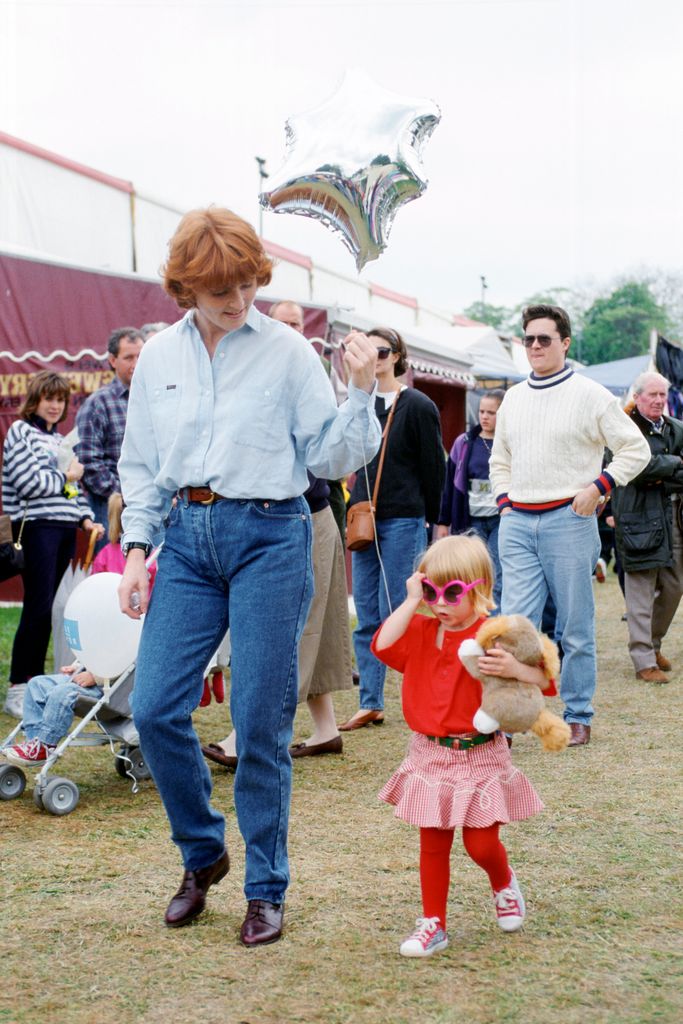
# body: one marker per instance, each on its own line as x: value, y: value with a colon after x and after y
x: 539, y: 383
x: 43, y: 425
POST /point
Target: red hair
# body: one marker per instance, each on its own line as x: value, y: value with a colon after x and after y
x: 213, y: 250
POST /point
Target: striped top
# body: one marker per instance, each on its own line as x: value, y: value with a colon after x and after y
x: 551, y: 433
x: 30, y: 473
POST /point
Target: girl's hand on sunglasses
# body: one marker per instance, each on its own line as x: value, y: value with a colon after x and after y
x: 414, y: 586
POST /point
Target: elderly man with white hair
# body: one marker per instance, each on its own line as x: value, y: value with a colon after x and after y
x: 647, y: 513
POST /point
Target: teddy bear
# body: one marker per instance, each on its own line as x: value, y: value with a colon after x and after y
x: 509, y: 704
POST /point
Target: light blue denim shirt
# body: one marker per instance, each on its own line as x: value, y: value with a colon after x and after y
x: 247, y: 423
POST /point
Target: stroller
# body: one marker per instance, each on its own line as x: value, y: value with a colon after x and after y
x: 111, y: 714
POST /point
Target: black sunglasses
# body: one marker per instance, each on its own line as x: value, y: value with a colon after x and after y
x: 544, y: 340
x: 384, y: 353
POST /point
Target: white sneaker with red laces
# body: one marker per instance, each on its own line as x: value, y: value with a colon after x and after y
x: 510, y: 907
x: 30, y: 753
x: 428, y: 937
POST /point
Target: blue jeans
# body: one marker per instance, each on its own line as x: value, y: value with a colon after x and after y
x: 486, y: 527
x: 555, y: 553
x: 401, y: 542
x: 48, y: 706
x: 244, y: 565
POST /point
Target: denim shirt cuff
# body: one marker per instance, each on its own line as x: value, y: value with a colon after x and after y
x: 361, y: 399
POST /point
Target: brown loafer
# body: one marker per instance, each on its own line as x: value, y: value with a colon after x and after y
x: 581, y: 734
x: 360, y: 721
x: 663, y: 662
x: 652, y: 675
x: 190, y: 899
x: 214, y: 752
x: 333, y: 746
x: 263, y: 923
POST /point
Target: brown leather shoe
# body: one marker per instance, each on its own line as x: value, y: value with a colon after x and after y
x: 214, y: 752
x: 663, y: 662
x: 263, y: 923
x: 333, y: 746
x: 190, y: 899
x: 581, y: 734
x: 360, y: 720
x: 652, y: 675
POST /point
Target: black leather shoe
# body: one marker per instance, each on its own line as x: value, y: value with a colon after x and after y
x: 263, y: 923
x: 190, y: 899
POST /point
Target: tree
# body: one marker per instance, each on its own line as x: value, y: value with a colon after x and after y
x: 618, y: 325
x: 496, y: 316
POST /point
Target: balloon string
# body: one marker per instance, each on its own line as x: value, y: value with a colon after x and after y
x: 376, y: 539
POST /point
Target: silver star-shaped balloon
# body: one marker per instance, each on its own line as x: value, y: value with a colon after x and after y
x: 353, y: 161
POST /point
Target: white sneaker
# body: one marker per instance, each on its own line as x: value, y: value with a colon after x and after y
x: 14, y: 701
x: 510, y: 907
x: 428, y: 937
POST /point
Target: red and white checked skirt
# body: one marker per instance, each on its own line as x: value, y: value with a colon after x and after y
x: 438, y: 787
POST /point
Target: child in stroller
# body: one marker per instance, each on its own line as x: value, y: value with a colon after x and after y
x: 49, y: 710
x: 49, y: 704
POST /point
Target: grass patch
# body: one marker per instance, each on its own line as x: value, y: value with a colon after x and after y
x: 82, y: 938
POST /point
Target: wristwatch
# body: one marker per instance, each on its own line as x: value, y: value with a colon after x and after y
x: 125, y: 548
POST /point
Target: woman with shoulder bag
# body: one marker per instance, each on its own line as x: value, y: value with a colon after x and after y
x: 409, y: 494
x: 46, y: 507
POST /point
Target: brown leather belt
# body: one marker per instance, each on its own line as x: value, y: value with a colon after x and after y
x: 202, y: 495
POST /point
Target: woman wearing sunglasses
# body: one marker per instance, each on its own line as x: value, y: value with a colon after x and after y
x: 453, y: 776
x: 468, y: 502
x: 409, y: 496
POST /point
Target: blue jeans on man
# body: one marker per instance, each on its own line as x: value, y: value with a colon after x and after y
x: 401, y: 542
x: 246, y: 565
x: 555, y: 552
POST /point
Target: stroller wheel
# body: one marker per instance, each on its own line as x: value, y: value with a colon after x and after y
x: 38, y: 797
x: 12, y: 782
x: 60, y: 796
x: 131, y: 762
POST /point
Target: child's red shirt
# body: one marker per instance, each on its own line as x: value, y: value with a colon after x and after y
x: 439, y: 695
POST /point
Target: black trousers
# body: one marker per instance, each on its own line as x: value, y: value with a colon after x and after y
x: 48, y: 549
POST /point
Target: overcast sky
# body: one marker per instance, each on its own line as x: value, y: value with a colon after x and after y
x: 558, y: 159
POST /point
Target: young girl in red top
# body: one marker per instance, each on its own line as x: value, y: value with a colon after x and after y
x: 453, y: 777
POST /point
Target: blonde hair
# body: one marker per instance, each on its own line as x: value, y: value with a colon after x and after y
x: 114, y: 510
x: 464, y: 557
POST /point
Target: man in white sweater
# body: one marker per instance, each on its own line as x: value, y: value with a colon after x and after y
x: 546, y: 473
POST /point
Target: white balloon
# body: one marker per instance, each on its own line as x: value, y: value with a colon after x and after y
x: 104, y: 640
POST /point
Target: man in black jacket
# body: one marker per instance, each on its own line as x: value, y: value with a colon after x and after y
x: 648, y: 532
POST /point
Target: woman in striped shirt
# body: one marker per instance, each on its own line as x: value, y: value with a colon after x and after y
x: 36, y: 491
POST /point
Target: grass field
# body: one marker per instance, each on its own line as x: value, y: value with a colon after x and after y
x: 82, y: 938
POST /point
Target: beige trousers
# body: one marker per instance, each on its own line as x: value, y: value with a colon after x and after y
x: 652, y: 598
x: 325, y: 646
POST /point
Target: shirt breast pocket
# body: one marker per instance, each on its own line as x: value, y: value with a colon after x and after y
x: 257, y: 418
x: 165, y: 409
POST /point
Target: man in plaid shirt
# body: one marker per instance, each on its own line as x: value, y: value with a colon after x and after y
x: 101, y: 421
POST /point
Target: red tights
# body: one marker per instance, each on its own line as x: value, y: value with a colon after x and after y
x: 484, y: 847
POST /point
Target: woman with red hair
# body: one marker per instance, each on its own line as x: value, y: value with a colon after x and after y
x: 227, y: 410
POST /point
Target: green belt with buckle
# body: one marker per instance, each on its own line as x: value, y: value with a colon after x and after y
x: 462, y: 742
